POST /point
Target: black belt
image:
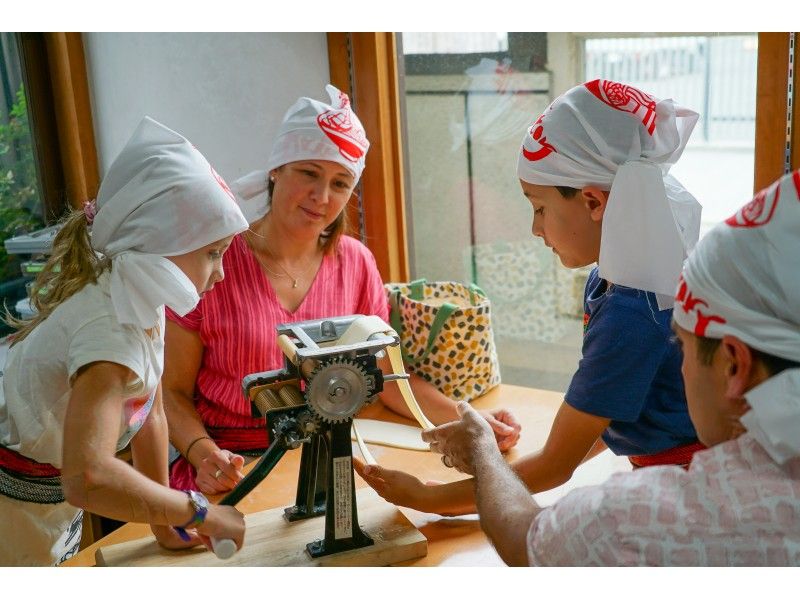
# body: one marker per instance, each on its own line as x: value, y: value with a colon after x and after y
x: 41, y: 490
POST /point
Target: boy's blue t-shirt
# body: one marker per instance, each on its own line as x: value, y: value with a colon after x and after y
x: 630, y: 371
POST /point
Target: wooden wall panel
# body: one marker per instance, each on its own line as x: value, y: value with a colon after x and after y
x: 72, y: 107
x: 771, y: 110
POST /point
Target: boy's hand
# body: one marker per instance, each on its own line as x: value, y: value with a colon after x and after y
x: 505, y: 426
x: 397, y: 487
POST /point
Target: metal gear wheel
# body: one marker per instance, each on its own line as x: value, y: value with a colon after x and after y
x: 308, y: 423
x: 283, y: 425
x: 337, y: 389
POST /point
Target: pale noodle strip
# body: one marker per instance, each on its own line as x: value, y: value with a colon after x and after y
x: 405, y: 389
x: 368, y: 458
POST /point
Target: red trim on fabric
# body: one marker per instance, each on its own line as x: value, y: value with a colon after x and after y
x: 240, y: 439
x: 752, y: 213
x: 620, y: 96
x: 679, y: 455
x: 796, y: 179
x: 16, y: 463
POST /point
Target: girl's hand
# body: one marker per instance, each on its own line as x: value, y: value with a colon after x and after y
x: 219, y: 472
x: 167, y: 537
x: 222, y: 522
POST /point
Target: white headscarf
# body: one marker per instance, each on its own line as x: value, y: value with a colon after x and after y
x: 624, y: 141
x: 311, y: 130
x: 159, y: 198
x: 743, y: 279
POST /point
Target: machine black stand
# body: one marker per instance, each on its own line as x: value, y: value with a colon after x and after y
x: 342, y: 531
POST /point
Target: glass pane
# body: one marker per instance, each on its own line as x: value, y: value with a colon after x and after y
x: 715, y: 76
x: 466, y: 113
x: 454, y: 43
x: 467, y: 106
x: 20, y: 195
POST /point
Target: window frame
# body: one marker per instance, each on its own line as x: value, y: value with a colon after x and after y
x: 57, y: 88
x: 365, y: 66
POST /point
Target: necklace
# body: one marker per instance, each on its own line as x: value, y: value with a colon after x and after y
x: 286, y: 274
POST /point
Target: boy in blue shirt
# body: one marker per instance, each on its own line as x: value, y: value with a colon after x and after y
x: 595, y: 168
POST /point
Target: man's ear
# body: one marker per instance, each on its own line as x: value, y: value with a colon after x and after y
x: 738, y: 366
x: 595, y: 200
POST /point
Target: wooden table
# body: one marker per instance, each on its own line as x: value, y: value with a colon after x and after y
x: 451, y: 540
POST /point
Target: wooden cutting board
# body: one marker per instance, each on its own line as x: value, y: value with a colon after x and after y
x: 272, y: 541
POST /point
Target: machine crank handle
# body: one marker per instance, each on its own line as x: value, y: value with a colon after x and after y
x: 265, y: 464
x: 225, y: 548
x: 395, y: 377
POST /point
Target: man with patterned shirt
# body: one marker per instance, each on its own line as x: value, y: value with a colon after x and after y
x: 739, y: 502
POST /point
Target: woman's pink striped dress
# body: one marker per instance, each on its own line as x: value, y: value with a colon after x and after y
x: 236, y: 322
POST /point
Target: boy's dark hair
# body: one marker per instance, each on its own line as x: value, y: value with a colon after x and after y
x: 706, y: 347
x: 567, y: 192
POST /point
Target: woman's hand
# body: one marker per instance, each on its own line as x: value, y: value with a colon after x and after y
x: 505, y: 426
x: 397, y: 487
x: 219, y: 471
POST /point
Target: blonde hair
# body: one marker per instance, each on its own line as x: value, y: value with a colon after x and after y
x: 72, y: 265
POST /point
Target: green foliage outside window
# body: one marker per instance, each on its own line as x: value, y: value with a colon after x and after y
x: 20, y: 206
x: 20, y: 210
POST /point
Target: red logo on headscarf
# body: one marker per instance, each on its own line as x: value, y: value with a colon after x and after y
x: 222, y: 183
x: 627, y: 99
x: 760, y: 210
x: 338, y: 126
x: 537, y: 134
x: 690, y: 303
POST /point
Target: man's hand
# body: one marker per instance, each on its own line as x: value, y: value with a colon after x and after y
x: 219, y: 472
x: 457, y: 440
x: 505, y: 425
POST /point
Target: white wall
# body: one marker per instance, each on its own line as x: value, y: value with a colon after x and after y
x: 226, y: 93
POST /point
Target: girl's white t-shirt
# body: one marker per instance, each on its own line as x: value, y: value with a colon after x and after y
x: 39, y: 371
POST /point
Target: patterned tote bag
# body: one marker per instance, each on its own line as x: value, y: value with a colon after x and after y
x: 446, y: 336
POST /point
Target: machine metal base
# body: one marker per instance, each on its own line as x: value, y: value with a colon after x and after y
x: 325, y: 547
x: 297, y: 513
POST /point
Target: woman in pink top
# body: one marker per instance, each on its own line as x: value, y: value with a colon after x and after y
x: 293, y: 264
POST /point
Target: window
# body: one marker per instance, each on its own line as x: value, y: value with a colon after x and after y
x: 465, y: 116
x: 467, y: 105
x: 715, y: 76
x: 454, y: 43
x: 46, y: 143
x: 21, y: 207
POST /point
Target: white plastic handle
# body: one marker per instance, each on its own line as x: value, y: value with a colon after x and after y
x: 224, y: 548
